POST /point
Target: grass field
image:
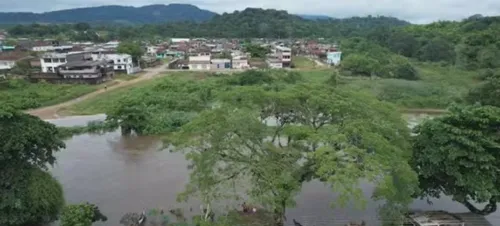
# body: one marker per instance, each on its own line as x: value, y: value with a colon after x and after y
x: 439, y: 86
x: 23, y: 95
x: 302, y: 62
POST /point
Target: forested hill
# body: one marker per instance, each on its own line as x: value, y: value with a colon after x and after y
x: 117, y: 14
x: 249, y: 23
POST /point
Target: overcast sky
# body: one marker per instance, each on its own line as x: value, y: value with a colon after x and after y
x: 416, y: 11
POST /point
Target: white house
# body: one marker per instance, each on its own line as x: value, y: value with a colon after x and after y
x: 240, y: 63
x: 284, y: 54
x: 177, y: 40
x: 333, y: 58
x: 274, y: 63
x: 50, y: 61
x: 121, y: 62
x: 151, y: 50
x: 199, y: 62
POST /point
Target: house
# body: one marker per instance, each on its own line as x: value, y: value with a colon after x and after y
x: 240, y: 62
x: 152, y: 50
x: 50, y: 61
x: 121, y: 62
x: 217, y: 64
x: 111, y: 45
x: 179, y: 40
x: 441, y: 218
x: 93, y: 71
x: 49, y: 45
x: 284, y: 54
x: 333, y: 58
x: 8, y: 59
x: 274, y: 63
x: 200, y: 62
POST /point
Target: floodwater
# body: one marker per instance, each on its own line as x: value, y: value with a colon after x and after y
x: 131, y: 174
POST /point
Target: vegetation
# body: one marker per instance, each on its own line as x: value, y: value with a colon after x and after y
x: 21, y: 94
x: 29, y: 194
x: 133, y: 49
x: 458, y: 155
x: 81, y: 215
x: 302, y: 62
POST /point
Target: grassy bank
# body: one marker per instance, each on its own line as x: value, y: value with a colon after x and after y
x: 438, y: 87
x: 302, y: 62
x: 24, y: 95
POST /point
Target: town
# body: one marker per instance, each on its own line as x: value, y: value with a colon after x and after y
x: 169, y: 115
x: 95, y: 63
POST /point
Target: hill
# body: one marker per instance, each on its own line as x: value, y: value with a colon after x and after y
x: 121, y: 14
x: 314, y: 17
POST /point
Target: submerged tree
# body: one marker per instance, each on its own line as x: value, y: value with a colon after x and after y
x: 81, y: 215
x: 459, y: 155
x: 271, y: 141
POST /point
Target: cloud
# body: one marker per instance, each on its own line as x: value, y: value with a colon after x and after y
x: 416, y: 11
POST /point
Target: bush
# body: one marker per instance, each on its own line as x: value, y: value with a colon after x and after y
x: 38, y: 199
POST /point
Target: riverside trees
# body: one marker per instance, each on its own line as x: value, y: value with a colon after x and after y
x: 271, y: 139
x: 29, y: 194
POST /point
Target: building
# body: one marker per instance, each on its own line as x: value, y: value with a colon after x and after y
x: 8, y: 59
x: 121, y: 62
x: 433, y: 218
x: 333, y: 58
x: 240, y: 63
x: 199, y: 62
x: 48, y: 46
x: 217, y: 64
x: 179, y: 40
x: 284, y: 54
x: 50, y: 61
x: 89, y: 70
x: 274, y: 63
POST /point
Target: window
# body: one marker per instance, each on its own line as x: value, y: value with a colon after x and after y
x: 47, y: 60
x: 62, y: 60
x: 49, y: 69
x: 125, y: 60
x: 119, y: 67
x: 118, y: 60
x: 56, y: 60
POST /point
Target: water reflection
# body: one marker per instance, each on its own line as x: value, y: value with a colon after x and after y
x: 129, y: 174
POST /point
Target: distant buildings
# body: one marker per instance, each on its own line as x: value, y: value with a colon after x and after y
x: 333, y: 58
x: 8, y: 59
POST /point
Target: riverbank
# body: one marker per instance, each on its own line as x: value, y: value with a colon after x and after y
x: 438, y: 87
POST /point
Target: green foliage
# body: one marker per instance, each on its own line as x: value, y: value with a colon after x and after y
x: 33, y: 197
x: 257, y: 51
x: 24, y: 95
x: 22, y: 67
x: 458, y: 155
x: 29, y: 195
x: 486, y: 93
x: 81, y: 215
x: 133, y: 49
x: 271, y: 141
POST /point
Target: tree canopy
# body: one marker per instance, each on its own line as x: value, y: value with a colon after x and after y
x: 29, y: 194
x: 458, y: 155
x: 273, y: 140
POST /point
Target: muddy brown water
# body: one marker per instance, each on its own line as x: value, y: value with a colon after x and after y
x: 130, y: 174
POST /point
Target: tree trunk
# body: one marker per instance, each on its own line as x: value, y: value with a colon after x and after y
x: 279, y: 214
x: 491, y: 207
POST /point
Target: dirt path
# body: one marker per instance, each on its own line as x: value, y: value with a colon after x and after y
x: 50, y: 112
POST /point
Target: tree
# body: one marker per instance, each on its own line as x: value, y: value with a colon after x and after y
x: 459, y: 155
x: 81, y: 215
x: 487, y: 92
x: 22, y: 67
x: 271, y: 141
x: 360, y: 64
x: 28, y: 193
x: 35, y: 197
x: 257, y: 51
x: 133, y: 49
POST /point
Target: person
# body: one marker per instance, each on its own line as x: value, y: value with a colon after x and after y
x: 105, y: 87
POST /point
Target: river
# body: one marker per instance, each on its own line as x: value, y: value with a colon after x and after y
x: 130, y: 174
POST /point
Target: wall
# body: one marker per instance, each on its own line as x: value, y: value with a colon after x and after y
x: 333, y: 57
x: 121, y: 62
x: 7, y: 64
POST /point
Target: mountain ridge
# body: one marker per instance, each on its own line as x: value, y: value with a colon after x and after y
x: 156, y: 13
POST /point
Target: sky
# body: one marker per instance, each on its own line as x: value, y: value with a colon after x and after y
x: 415, y: 11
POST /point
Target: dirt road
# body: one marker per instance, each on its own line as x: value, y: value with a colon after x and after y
x: 50, y: 112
